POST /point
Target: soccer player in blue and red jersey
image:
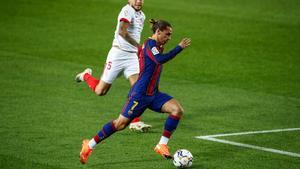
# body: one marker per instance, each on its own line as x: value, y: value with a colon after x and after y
x: 145, y: 93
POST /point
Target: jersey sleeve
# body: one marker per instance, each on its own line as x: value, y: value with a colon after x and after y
x: 126, y: 14
x: 159, y: 57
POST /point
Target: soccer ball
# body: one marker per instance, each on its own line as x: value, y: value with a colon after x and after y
x: 183, y: 158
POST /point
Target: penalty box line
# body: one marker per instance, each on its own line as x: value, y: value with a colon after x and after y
x: 213, y: 138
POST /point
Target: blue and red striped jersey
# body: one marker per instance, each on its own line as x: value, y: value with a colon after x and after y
x: 151, y: 59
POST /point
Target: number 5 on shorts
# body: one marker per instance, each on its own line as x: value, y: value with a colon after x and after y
x: 108, y: 65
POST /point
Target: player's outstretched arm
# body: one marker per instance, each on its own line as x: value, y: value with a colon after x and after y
x: 163, y: 58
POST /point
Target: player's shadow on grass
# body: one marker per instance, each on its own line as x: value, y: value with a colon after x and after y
x: 103, y: 164
x: 110, y: 164
x: 198, y: 166
x: 142, y: 133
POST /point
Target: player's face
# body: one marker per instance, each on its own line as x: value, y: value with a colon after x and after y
x: 164, y: 36
x: 136, y: 4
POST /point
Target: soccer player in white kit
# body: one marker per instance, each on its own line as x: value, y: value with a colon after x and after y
x: 122, y: 57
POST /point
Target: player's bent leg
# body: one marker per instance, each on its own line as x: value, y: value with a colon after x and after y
x: 102, y: 88
x: 175, y: 111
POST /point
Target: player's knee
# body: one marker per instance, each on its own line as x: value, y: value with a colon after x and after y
x: 120, y: 125
x: 177, y: 111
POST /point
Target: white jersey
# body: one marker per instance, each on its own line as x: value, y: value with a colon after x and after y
x: 136, y: 20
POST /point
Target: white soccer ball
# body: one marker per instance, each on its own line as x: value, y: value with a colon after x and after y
x: 183, y: 158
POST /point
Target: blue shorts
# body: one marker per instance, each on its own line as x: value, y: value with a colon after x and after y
x: 136, y: 105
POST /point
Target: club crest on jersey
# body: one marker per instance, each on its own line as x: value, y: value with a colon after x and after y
x: 154, y: 51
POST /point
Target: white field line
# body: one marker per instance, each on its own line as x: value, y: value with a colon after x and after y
x: 212, y: 138
x: 249, y: 132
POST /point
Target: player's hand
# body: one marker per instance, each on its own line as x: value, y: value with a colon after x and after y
x: 185, y: 42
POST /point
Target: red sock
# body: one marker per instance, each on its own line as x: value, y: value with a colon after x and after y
x: 91, y: 81
x: 137, y: 119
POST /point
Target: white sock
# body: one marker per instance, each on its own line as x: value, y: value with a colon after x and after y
x: 163, y: 140
x: 92, y: 143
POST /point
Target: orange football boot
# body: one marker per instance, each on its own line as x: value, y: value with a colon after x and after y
x: 85, y: 152
x: 163, y: 150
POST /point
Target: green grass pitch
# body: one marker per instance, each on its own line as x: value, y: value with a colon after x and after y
x: 241, y: 73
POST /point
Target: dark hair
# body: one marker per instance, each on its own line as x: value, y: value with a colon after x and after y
x: 159, y: 24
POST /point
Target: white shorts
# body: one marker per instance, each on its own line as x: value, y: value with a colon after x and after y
x: 119, y: 61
